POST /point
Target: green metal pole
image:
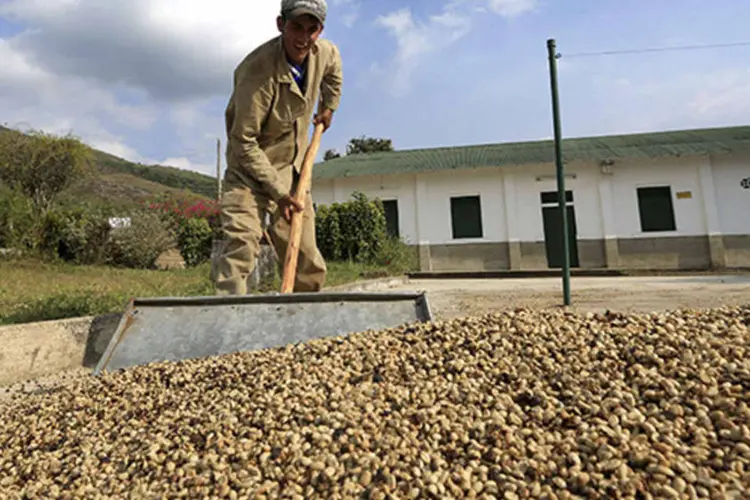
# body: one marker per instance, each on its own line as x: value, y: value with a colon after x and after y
x: 218, y: 169
x: 562, y: 201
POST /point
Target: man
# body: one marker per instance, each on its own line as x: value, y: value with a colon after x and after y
x: 268, y: 126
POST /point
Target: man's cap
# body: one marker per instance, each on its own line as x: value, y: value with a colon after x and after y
x: 294, y: 8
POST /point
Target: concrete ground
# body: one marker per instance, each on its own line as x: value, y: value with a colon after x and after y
x: 452, y: 298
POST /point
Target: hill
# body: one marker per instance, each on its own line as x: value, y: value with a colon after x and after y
x: 121, y: 183
x: 172, y: 177
x: 120, y: 190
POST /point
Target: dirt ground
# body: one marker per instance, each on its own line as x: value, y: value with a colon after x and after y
x: 453, y: 298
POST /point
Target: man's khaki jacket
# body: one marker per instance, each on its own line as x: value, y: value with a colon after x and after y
x: 268, y: 118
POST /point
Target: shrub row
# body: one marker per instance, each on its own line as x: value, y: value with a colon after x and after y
x: 82, y: 234
x: 351, y: 231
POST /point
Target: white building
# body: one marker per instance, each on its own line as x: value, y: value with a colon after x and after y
x: 670, y: 200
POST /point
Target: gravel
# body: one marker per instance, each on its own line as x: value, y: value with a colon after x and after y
x: 519, y: 404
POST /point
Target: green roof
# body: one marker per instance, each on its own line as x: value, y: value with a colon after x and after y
x: 631, y: 146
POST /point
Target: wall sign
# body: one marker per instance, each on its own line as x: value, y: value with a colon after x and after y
x: 745, y: 183
x: 684, y: 195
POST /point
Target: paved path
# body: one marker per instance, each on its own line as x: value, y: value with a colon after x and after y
x: 451, y: 298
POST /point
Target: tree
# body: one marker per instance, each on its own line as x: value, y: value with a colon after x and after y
x: 364, y: 144
x: 41, y: 165
x: 330, y: 155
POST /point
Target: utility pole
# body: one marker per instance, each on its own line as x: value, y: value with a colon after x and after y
x: 561, y: 198
x: 218, y: 169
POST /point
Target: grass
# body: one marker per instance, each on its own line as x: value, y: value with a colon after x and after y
x: 33, y: 290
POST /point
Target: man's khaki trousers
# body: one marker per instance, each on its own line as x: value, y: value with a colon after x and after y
x: 242, y: 216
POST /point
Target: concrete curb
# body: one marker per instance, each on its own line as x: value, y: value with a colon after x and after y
x: 33, y: 350
x: 365, y: 285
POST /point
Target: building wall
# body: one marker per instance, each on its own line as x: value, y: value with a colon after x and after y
x: 706, y: 195
x: 732, y: 188
x: 684, y: 247
x: 488, y: 251
x: 581, y: 181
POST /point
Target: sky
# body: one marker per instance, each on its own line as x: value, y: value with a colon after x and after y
x: 148, y: 80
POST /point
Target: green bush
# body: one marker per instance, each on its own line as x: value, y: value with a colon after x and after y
x: 138, y: 245
x: 195, y: 239
x: 76, y: 234
x: 18, y: 225
x: 397, y: 256
x: 354, y: 230
x: 328, y: 232
x: 41, y: 165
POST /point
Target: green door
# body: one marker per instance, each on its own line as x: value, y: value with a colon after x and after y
x: 390, y: 207
x: 553, y: 236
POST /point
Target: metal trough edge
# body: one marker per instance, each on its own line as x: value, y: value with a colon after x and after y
x: 424, y: 312
x: 277, y: 298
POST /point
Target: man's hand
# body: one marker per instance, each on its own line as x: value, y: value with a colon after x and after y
x: 287, y: 204
x: 325, y: 118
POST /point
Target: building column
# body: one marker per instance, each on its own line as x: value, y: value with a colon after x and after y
x: 711, y: 212
x: 511, y: 220
x: 611, y: 250
x: 421, y: 210
x: 338, y: 191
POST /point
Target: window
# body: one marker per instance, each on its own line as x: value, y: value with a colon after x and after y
x: 549, y: 197
x: 391, y: 217
x: 656, y: 209
x: 466, y: 217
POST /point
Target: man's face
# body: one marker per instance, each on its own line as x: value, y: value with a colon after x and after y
x: 299, y: 35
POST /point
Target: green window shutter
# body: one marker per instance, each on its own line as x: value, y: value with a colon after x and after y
x: 656, y: 209
x: 466, y: 217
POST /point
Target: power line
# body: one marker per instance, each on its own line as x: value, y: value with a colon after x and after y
x: 656, y: 49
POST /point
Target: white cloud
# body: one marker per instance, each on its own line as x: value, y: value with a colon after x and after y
x: 726, y: 94
x: 689, y: 99
x: 103, y: 69
x: 116, y: 148
x: 349, y: 11
x: 172, y: 49
x: 32, y: 97
x: 512, y: 8
x: 186, y: 164
x: 415, y: 39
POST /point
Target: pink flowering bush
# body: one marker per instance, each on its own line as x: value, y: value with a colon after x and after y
x: 194, y: 224
x: 177, y: 211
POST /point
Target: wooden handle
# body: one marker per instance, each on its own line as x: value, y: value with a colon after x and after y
x: 295, y: 234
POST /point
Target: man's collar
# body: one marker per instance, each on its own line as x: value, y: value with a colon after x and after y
x: 282, y: 64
